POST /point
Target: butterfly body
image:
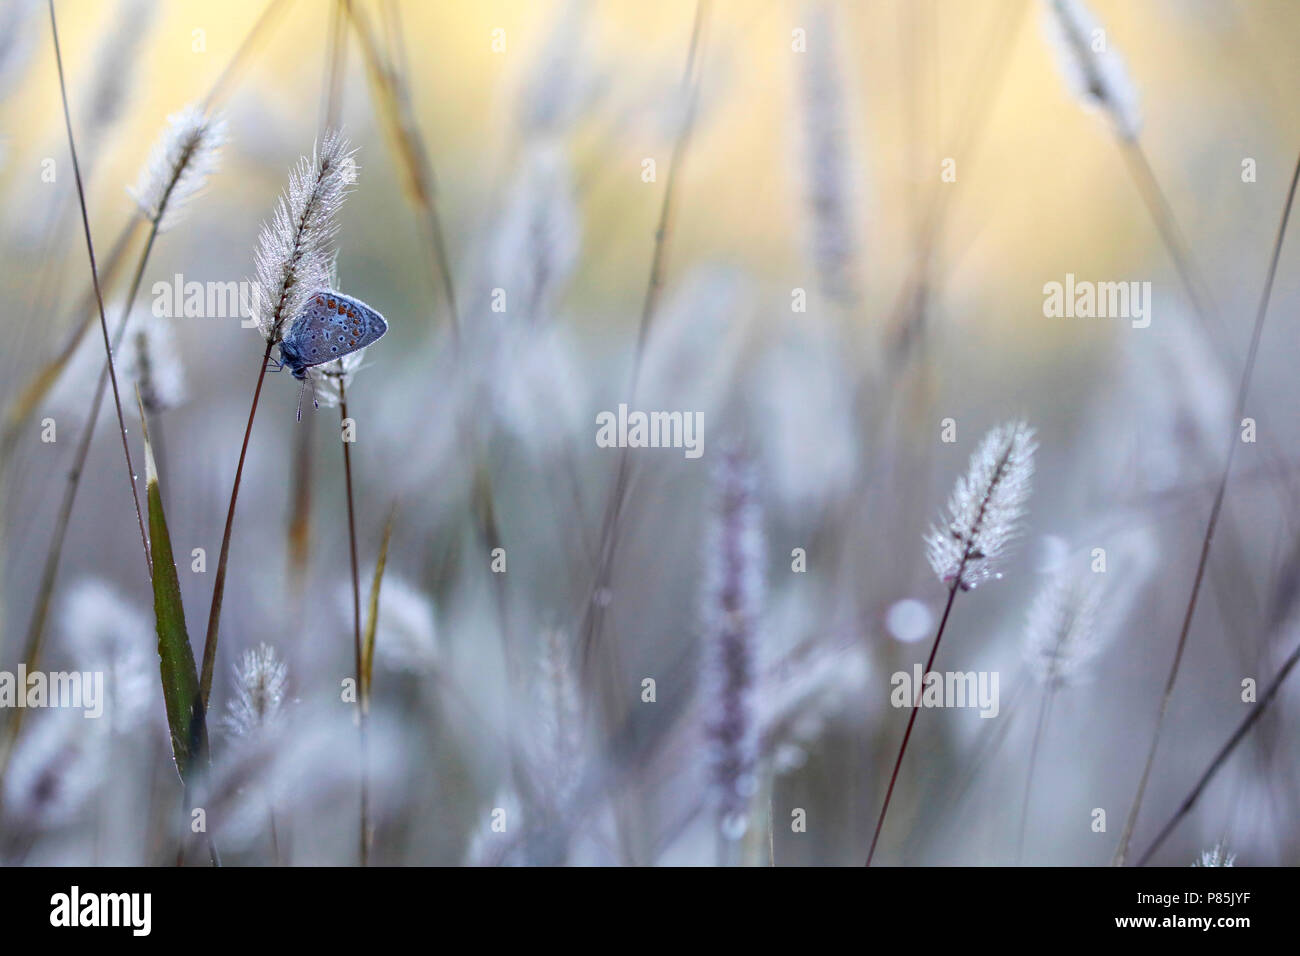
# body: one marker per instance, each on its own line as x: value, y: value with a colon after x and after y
x: 331, y: 326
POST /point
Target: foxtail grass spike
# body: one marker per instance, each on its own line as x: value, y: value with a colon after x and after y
x: 985, y: 510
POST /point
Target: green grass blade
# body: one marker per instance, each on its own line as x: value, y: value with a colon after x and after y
x: 180, y: 679
x: 372, y: 616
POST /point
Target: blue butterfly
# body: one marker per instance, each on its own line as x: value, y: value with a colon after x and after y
x: 331, y: 326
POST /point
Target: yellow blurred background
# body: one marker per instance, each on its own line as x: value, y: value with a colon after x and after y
x: 1045, y: 184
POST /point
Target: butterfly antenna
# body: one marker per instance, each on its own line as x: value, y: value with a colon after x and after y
x: 302, y: 389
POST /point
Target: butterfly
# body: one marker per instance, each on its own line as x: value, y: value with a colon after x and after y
x: 329, y: 327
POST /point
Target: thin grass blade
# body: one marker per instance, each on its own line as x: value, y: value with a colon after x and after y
x: 180, y: 677
x: 372, y: 613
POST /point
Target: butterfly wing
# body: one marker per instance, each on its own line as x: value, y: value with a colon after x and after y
x: 369, y: 324
x: 334, y: 325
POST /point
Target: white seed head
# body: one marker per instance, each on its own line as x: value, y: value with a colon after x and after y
x: 734, y: 596
x: 295, y: 249
x: 102, y: 631
x: 1062, y: 635
x: 1093, y: 69
x: 406, y: 636
x: 535, y: 247
x: 185, y: 156
x: 159, y: 371
x: 333, y: 379
x: 302, y: 765
x: 559, y: 83
x: 985, y: 509
x: 532, y: 384
x: 1217, y: 855
x: 557, y: 761
x: 260, y: 679
x: 115, y: 61
x: 153, y: 362
x: 810, y: 444
x: 829, y: 172
x: 799, y: 692
x: 56, y: 767
x: 693, y: 340
x: 1176, y: 432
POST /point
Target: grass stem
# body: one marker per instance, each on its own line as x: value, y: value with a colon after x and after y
x: 392, y: 94
x: 1243, y: 392
x: 916, y: 709
x: 1162, y: 214
x: 99, y: 295
x: 219, y: 583
x: 356, y: 613
x: 593, y: 611
x: 1041, y: 724
x: 1222, y: 755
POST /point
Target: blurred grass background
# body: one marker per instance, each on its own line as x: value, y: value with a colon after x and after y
x: 1045, y: 193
